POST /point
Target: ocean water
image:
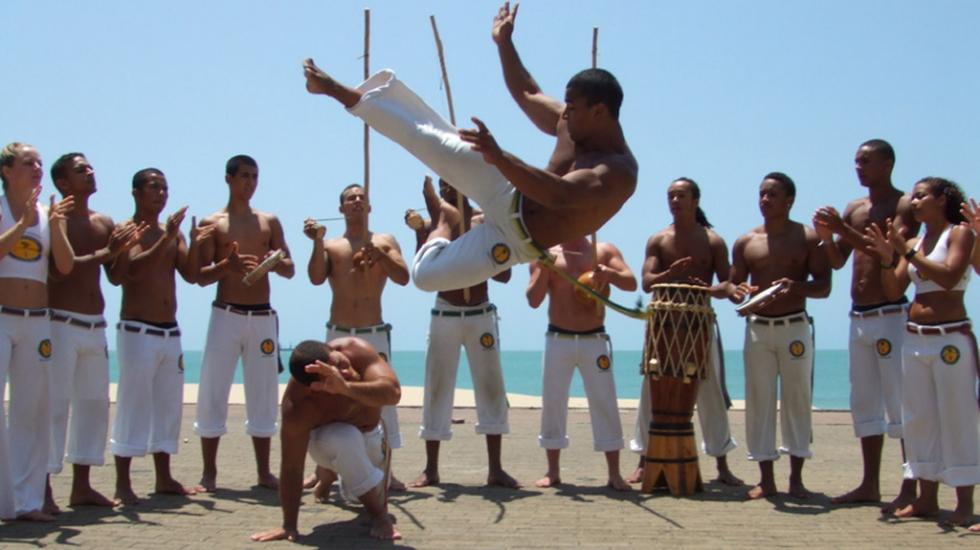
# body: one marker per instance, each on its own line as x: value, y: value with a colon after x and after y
x: 522, y: 373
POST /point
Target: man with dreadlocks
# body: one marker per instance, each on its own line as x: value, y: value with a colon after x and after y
x: 689, y: 251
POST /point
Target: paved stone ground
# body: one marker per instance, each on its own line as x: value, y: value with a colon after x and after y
x: 462, y: 513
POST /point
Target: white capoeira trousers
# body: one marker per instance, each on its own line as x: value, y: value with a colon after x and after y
x: 149, y: 398
x: 778, y: 351
x: 716, y: 433
x: 379, y: 336
x: 251, y: 336
x: 80, y: 384
x: 25, y: 356
x: 475, y: 328
x: 875, y: 354
x: 939, y: 407
x: 356, y: 456
x: 391, y: 108
x: 592, y: 354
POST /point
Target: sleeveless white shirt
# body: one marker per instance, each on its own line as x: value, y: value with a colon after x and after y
x: 28, y: 259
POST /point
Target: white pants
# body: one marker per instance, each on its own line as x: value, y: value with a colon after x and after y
x: 379, y: 336
x: 592, y: 354
x: 716, y: 433
x: 391, y: 108
x: 875, y: 353
x: 25, y: 356
x: 252, y: 336
x: 475, y: 328
x: 778, y: 348
x: 80, y: 382
x: 939, y: 408
x: 149, y: 400
x: 356, y: 456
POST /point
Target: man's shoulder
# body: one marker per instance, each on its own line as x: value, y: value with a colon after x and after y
x: 215, y: 217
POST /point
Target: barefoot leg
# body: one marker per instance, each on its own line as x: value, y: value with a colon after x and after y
x: 926, y: 505
x: 262, y: 449
x: 318, y: 82
x: 796, y: 487
x: 209, y: 455
x: 553, y: 476
x: 637, y: 475
x: 82, y: 493
x: 50, y: 506
x: 962, y: 516
x: 767, y: 482
x: 868, y: 490
x: 497, y: 476
x: 124, y: 487
x: 725, y: 475
x: 165, y: 482
x: 616, y: 481
x: 430, y: 475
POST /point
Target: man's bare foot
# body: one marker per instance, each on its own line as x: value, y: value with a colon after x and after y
x: 959, y: 517
x: 797, y: 490
x: 383, y: 528
x: 636, y: 476
x: 617, y: 483
x: 917, y: 509
x: 860, y: 495
x: 549, y: 480
x: 208, y: 484
x: 726, y: 477
x: 502, y: 479
x: 269, y: 481
x: 50, y: 506
x: 126, y: 497
x: 425, y: 479
x: 173, y: 487
x: 90, y: 497
x: 35, y: 515
x: 310, y: 481
x: 317, y: 81
x: 395, y: 485
x: 975, y: 528
x: 761, y: 491
x: 901, y: 501
x: 321, y: 492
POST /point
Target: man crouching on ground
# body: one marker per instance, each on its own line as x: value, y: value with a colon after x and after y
x: 332, y: 406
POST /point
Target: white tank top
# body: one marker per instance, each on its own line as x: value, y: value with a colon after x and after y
x: 938, y: 255
x: 28, y: 259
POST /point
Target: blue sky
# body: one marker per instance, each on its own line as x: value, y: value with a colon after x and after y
x: 722, y: 92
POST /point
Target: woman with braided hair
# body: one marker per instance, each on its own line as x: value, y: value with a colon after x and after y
x: 939, y: 357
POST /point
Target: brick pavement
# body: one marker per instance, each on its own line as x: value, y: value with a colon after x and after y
x: 461, y: 513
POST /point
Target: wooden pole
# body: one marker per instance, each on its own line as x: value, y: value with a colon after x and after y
x: 367, y: 131
x: 595, y: 235
x: 460, y: 199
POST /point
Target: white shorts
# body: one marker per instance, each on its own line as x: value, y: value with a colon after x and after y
x: 25, y: 356
x: 251, y: 335
x: 778, y: 348
x: 80, y: 370
x: 356, y: 456
x: 592, y: 354
x: 379, y: 336
x: 475, y: 328
x: 149, y: 399
x: 716, y: 433
x: 875, y: 353
x: 391, y: 108
x: 939, y: 407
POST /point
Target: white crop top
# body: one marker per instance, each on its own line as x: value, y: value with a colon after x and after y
x: 28, y: 259
x: 938, y: 255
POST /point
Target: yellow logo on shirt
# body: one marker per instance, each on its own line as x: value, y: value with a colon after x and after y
x: 603, y: 362
x: 267, y: 346
x: 500, y: 253
x: 487, y: 340
x: 884, y: 347
x: 950, y: 354
x: 44, y: 349
x: 797, y: 348
x: 27, y: 249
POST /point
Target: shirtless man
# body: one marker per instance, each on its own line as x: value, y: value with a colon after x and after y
x: 470, y: 322
x: 576, y: 337
x: 151, y: 362
x: 527, y: 209
x: 243, y: 323
x: 331, y: 409
x: 778, y: 340
x: 33, y: 243
x: 80, y: 363
x: 358, y: 269
x: 877, y: 324
x: 689, y: 251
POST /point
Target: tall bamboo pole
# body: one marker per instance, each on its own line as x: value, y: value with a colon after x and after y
x: 595, y: 235
x: 460, y: 199
x: 367, y: 131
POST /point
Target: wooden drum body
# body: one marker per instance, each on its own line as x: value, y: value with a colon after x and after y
x: 675, y: 359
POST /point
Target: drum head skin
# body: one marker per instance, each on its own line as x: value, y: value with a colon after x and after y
x: 750, y: 304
